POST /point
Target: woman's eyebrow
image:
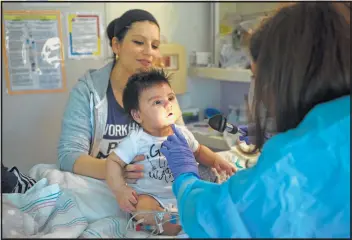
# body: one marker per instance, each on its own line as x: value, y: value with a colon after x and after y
x: 138, y: 35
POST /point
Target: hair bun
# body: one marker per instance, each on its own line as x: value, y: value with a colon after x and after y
x: 110, y: 30
x: 131, y: 16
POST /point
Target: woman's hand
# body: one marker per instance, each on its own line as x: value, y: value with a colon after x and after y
x: 134, y: 171
x: 179, y: 156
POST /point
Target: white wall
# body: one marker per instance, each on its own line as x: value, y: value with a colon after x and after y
x: 32, y: 122
x: 192, y: 29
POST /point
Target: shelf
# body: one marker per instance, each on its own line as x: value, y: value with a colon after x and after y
x: 214, y: 142
x: 222, y: 74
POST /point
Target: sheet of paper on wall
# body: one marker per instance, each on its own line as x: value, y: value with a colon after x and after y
x: 84, y: 35
x: 33, y: 55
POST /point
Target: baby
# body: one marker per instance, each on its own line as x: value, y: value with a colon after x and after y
x: 150, y: 101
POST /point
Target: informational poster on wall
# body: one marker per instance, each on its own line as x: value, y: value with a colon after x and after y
x: 32, y: 51
x: 84, y: 35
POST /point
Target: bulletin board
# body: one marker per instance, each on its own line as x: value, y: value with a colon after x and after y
x: 33, y: 52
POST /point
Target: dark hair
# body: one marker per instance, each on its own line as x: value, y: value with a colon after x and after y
x: 119, y: 26
x: 302, y: 56
x: 110, y: 31
x: 139, y: 82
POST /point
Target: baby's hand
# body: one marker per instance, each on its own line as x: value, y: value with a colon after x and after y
x: 221, y: 164
x: 127, y: 199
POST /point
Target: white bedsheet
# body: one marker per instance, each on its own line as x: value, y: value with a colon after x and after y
x: 92, y: 213
x: 64, y: 204
x: 93, y: 196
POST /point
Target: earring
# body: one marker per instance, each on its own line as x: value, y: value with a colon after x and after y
x: 116, y: 56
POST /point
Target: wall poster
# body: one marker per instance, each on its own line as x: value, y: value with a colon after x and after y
x: 84, y: 35
x: 33, y: 52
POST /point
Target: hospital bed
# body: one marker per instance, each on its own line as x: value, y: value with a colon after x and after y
x: 67, y: 205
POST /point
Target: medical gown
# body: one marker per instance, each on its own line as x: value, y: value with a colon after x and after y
x: 300, y: 186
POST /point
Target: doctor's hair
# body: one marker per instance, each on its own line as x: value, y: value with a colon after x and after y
x: 139, y: 82
x: 302, y: 57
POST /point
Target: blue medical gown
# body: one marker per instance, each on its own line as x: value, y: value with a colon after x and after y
x: 300, y: 186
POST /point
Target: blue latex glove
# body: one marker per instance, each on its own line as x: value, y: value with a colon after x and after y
x: 244, y: 134
x: 179, y: 156
x: 249, y: 139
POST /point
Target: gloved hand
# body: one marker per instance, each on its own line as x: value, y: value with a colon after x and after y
x: 244, y: 134
x: 249, y: 139
x: 179, y: 156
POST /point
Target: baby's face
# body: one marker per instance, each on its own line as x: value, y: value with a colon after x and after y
x: 157, y: 107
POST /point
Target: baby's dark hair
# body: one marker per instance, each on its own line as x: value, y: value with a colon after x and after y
x: 140, y: 81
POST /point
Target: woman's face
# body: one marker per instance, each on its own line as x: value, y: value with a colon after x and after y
x: 140, y: 47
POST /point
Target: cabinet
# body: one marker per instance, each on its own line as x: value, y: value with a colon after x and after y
x: 224, y: 17
x: 174, y: 59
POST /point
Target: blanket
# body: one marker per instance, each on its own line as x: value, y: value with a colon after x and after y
x: 43, y: 211
x: 66, y: 205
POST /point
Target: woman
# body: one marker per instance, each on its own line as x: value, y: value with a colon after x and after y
x: 94, y: 120
x: 300, y: 186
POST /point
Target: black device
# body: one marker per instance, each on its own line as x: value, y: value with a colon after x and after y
x: 220, y: 124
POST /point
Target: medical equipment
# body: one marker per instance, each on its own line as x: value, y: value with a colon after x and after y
x: 158, y: 217
x: 219, y: 123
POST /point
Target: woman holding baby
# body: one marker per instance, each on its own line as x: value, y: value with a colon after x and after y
x: 94, y: 121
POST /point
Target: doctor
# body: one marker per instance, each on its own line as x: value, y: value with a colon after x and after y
x: 300, y: 186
